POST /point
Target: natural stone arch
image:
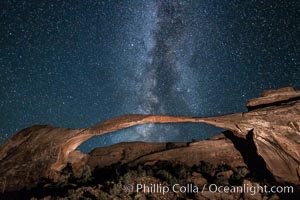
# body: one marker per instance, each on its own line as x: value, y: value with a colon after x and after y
x: 274, y: 121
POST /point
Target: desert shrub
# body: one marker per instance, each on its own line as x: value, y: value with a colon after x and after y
x: 223, y: 167
x: 116, y: 190
x: 221, y: 181
x: 64, y: 178
x: 206, y: 168
x: 85, y: 175
x: 164, y: 175
x: 242, y: 171
x: 239, y: 174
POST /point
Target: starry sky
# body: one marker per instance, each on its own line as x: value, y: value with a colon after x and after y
x: 78, y: 62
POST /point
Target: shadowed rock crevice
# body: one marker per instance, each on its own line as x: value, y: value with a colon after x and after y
x: 251, y: 158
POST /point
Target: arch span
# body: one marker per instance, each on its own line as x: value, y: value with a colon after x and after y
x: 121, y: 122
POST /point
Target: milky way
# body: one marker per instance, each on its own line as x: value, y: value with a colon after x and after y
x: 163, y: 76
x: 74, y: 64
x: 159, y: 82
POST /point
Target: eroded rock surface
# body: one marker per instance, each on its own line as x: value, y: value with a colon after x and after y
x: 271, y: 129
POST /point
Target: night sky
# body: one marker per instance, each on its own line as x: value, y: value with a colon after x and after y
x: 76, y: 63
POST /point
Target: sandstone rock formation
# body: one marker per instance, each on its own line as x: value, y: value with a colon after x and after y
x: 270, y: 131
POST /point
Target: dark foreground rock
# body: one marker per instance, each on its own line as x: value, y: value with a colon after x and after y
x: 261, y: 146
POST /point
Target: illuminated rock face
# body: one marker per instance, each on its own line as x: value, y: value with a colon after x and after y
x: 271, y: 129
